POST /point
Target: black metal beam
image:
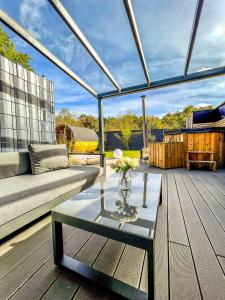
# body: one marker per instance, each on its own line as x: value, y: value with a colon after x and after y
x: 198, y: 12
x: 166, y: 82
x: 134, y: 28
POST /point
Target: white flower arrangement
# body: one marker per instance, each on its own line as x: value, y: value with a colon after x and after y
x: 125, y: 164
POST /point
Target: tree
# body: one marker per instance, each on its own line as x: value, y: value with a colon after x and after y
x: 65, y: 116
x: 125, y: 128
x: 88, y: 121
x: 129, y: 121
x: 8, y: 50
x: 154, y: 122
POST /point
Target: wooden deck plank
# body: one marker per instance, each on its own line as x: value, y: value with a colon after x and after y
x: 213, y: 189
x: 8, y: 246
x: 130, y: 267
x: 64, y: 287
x: 90, y: 251
x: 222, y: 262
x: 106, y: 262
x: 161, y: 249
x: 182, y: 273
x: 209, y: 272
x: 112, y: 250
x: 67, y: 283
x: 211, y: 201
x: 212, y: 227
x: 22, y: 252
x: 144, y: 276
x: 176, y: 227
x: 36, y: 276
x: 40, y: 282
x: 16, y: 278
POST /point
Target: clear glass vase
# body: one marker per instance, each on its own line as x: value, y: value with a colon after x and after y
x: 125, y: 181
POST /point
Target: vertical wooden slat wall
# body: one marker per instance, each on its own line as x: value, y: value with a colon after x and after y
x: 173, y: 138
x: 166, y: 155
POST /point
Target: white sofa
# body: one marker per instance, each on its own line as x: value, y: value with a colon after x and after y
x: 25, y: 197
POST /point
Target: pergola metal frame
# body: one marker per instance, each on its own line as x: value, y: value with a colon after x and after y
x: 148, y: 85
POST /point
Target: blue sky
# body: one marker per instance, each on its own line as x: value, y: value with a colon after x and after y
x: 165, y: 28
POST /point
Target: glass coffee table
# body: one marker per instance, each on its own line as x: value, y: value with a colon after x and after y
x: 126, y: 216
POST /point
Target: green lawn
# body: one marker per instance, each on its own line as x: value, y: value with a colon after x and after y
x: 126, y: 153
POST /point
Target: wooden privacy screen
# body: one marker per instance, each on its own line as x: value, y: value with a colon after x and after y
x: 166, y: 155
x: 172, y: 153
x: 206, y: 141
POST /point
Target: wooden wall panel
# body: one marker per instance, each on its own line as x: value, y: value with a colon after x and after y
x: 173, y: 154
x: 173, y: 138
x: 166, y: 155
x: 206, y: 141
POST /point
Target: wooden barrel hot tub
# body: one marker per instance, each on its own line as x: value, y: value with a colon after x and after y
x: 78, y: 139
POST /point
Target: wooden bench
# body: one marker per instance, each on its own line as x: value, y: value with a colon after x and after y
x: 211, y: 161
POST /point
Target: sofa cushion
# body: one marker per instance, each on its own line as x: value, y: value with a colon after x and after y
x: 46, y: 158
x: 26, y: 192
x: 14, y: 163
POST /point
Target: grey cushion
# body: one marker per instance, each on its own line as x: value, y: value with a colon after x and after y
x: 46, y: 158
x: 24, y: 193
x: 14, y: 163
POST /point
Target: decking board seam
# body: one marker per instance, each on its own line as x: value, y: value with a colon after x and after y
x: 167, y: 220
x: 24, y: 242
x: 176, y: 243
x: 119, y: 260
x: 82, y: 280
x: 203, y: 199
x: 17, y: 289
x: 208, y: 204
x: 142, y: 269
x: 200, y: 179
x: 196, y: 273
x: 26, y: 256
x: 62, y: 269
x: 182, y: 177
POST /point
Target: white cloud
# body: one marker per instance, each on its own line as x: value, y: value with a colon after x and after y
x: 30, y: 15
x: 202, y: 104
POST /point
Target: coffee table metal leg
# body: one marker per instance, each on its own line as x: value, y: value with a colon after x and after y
x: 150, y: 273
x: 57, y: 241
x: 160, y: 200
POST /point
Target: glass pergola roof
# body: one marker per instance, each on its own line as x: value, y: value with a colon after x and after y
x: 117, y: 47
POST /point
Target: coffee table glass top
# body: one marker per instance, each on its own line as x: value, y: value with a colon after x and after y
x: 133, y: 211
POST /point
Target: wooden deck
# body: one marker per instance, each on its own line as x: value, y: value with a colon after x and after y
x: 189, y: 250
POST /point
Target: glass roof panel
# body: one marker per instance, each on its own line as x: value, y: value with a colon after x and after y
x: 41, y: 20
x: 106, y: 26
x: 165, y: 28
x: 209, y: 48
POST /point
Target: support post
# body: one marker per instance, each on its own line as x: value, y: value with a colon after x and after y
x: 101, y: 132
x: 145, y: 127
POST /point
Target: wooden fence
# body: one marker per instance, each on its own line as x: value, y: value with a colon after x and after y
x: 166, y: 155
